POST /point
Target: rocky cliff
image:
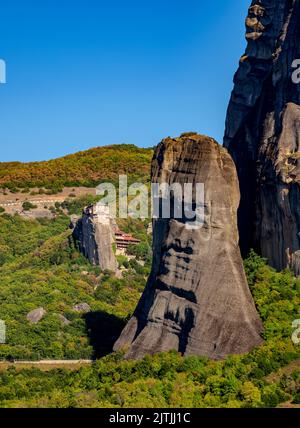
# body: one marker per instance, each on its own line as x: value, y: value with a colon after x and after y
x: 263, y: 133
x: 93, y: 233
x: 197, y: 300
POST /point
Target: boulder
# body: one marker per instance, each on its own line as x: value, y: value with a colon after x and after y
x: 64, y: 320
x: 82, y: 307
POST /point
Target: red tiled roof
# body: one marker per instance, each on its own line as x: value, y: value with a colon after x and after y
x: 125, y: 237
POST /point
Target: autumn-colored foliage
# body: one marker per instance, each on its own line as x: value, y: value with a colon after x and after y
x: 86, y: 168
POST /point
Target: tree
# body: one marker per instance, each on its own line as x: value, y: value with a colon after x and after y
x: 27, y: 206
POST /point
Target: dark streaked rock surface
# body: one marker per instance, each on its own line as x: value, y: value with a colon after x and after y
x: 263, y: 133
x: 197, y: 300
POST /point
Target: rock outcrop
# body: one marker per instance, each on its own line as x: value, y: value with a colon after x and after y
x: 197, y: 300
x: 64, y: 320
x: 263, y: 133
x: 36, y: 315
x: 82, y: 307
x: 94, y: 234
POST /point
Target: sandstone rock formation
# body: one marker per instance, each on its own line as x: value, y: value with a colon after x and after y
x: 263, y: 133
x: 64, y: 320
x: 36, y: 315
x: 94, y: 235
x: 197, y: 300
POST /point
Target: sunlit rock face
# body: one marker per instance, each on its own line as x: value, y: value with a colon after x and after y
x: 263, y: 133
x: 197, y: 300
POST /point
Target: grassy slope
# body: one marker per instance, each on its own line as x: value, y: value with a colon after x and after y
x: 85, y: 168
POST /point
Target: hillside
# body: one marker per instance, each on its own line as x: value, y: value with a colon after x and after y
x: 41, y: 268
x: 86, y: 168
x: 38, y: 268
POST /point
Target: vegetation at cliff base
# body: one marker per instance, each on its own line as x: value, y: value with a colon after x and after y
x: 41, y: 268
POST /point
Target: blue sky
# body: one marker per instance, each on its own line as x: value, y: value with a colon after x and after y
x: 89, y: 73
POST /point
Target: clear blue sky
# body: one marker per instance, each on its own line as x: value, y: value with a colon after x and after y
x: 86, y: 73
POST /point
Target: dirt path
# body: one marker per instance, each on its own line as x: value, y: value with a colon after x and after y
x: 33, y: 201
x: 287, y: 370
x: 275, y: 377
x: 46, y: 365
x: 7, y: 197
x: 13, y: 202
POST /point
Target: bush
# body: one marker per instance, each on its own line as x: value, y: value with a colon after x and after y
x: 27, y: 206
x: 141, y: 251
x: 123, y: 261
x: 296, y: 399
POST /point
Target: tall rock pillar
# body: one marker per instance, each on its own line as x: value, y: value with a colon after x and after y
x: 263, y: 133
x: 197, y: 300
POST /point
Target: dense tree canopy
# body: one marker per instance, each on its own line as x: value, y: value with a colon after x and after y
x: 86, y: 168
x: 40, y: 267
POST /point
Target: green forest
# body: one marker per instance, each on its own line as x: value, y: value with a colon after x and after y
x: 40, y: 267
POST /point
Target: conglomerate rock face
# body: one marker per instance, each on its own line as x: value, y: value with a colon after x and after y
x: 197, y: 300
x: 263, y: 133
